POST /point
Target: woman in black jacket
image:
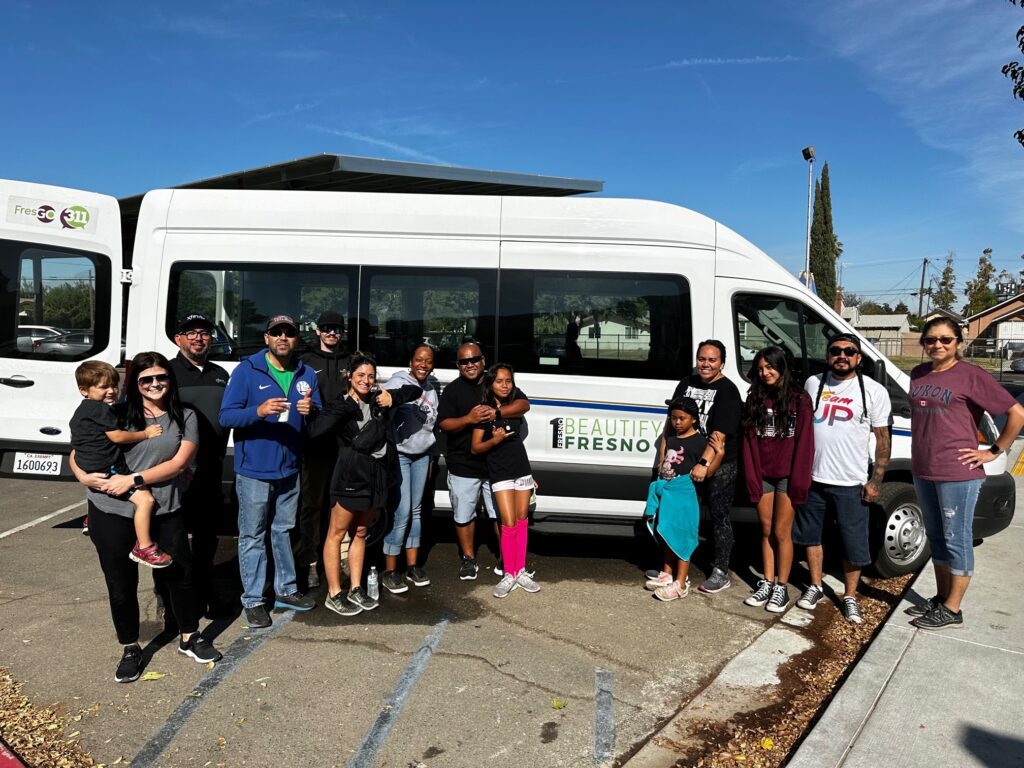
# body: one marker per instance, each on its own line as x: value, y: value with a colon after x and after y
x: 359, y: 486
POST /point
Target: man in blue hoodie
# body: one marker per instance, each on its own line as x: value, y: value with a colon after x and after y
x: 267, y: 400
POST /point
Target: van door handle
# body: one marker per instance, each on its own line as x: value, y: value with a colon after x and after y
x: 16, y: 381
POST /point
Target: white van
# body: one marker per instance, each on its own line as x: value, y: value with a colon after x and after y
x: 596, y: 302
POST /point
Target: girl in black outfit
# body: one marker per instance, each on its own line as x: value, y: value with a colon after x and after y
x: 508, y: 467
x: 359, y: 486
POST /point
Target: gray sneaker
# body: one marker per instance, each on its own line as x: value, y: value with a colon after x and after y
x: 525, y: 581
x: 504, y: 587
x: 417, y: 577
x: 811, y: 597
x: 927, y: 606
x: 716, y: 582
x: 393, y: 583
x: 359, y: 597
x: 341, y: 605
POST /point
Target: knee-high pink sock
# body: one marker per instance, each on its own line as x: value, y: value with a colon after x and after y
x: 508, y: 547
x: 522, y: 527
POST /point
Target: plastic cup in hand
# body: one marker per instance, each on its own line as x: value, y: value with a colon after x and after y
x: 284, y: 414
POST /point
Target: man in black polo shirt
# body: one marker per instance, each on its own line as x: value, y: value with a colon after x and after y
x: 201, y: 387
x: 460, y: 410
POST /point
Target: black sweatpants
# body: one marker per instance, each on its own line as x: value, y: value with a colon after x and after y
x: 202, y: 505
x: 114, y: 536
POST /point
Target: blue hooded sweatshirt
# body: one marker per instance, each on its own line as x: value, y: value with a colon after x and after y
x: 266, y: 448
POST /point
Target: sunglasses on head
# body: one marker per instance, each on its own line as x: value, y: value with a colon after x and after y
x: 470, y: 360
x: 943, y: 340
x: 848, y: 351
x: 282, y: 330
x: 157, y: 378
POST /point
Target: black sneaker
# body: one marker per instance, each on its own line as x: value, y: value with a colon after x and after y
x: 417, y: 577
x: 760, y: 595
x: 296, y: 601
x: 469, y: 569
x: 130, y: 666
x: 851, y: 610
x: 341, y: 605
x: 927, y: 606
x: 363, y: 600
x: 811, y: 597
x: 939, y: 617
x: 199, y: 648
x: 393, y: 583
x: 779, y: 600
x: 257, y: 617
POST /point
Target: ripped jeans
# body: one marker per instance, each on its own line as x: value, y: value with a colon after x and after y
x: 948, y: 509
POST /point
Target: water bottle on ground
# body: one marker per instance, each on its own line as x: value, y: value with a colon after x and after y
x: 373, y: 583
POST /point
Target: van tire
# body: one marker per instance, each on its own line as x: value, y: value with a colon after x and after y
x: 898, y: 536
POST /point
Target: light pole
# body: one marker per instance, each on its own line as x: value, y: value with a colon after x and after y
x: 808, y: 153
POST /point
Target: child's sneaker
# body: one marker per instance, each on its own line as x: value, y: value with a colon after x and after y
x: 761, y: 594
x: 672, y: 591
x: 524, y: 580
x: 85, y: 525
x: 663, y: 579
x: 152, y: 556
x: 716, y: 582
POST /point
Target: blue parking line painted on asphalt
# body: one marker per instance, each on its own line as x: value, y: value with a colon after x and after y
x: 236, y: 653
x: 604, y: 718
x: 366, y: 754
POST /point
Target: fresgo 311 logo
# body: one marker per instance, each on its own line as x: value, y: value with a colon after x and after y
x: 74, y: 217
x: 585, y: 433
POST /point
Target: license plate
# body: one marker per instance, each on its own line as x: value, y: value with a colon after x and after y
x: 37, y: 463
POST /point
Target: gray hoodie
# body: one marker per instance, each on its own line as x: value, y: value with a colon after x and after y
x: 413, y: 424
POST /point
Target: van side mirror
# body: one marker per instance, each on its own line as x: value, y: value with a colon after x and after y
x: 879, y: 373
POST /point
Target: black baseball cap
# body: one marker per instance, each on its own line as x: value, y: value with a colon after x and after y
x: 195, y: 320
x: 330, y: 318
x: 850, y: 337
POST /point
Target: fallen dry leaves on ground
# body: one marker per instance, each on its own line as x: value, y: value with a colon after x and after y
x: 37, y: 735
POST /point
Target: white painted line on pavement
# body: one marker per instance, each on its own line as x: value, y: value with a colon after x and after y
x: 366, y: 754
x: 42, y: 519
x: 604, y: 718
x: 931, y: 633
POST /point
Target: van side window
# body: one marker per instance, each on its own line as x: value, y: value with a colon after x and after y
x: 595, y: 323
x: 762, y: 319
x: 53, y: 302
x: 403, y: 307
x: 240, y: 298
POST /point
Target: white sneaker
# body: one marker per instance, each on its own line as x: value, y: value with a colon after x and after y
x: 505, y: 586
x: 525, y: 580
x: 661, y: 580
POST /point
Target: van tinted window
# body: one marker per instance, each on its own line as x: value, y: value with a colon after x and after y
x: 763, y: 319
x: 54, y: 302
x: 595, y: 323
x: 240, y: 298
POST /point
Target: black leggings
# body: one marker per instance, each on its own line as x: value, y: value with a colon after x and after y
x: 114, y: 536
x: 721, y: 488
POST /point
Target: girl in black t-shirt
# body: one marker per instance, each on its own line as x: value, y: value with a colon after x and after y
x: 673, y: 512
x: 508, y: 467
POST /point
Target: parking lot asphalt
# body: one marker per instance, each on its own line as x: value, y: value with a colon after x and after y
x: 441, y: 676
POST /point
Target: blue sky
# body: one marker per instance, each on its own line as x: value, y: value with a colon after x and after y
x: 704, y: 105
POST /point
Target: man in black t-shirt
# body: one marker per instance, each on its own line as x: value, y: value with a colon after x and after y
x: 201, y: 387
x: 460, y: 410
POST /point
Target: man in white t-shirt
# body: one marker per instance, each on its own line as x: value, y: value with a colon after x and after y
x: 848, y: 408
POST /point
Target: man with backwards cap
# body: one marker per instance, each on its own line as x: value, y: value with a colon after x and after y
x: 329, y: 359
x: 201, y: 387
x: 268, y: 398
x: 848, y: 409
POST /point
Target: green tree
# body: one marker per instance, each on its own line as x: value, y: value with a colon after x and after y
x: 1015, y: 71
x: 823, y: 241
x: 944, y: 296
x: 979, y: 292
x: 851, y: 299
x: 874, y: 308
x: 901, y: 309
x: 68, y: 305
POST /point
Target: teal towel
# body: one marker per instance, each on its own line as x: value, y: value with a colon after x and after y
x: 673, y: 513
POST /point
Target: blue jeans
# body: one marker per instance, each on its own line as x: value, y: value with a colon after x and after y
x: 263, y: 502
x: 407, y: 503
x: 948, y: 509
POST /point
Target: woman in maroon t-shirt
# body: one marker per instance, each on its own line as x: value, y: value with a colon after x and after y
x: 947, y: 399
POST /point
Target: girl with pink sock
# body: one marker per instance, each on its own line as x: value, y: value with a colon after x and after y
x: 508, y: 466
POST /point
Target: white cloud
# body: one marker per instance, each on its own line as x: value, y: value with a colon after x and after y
x: 293, y: 110
x: 716, y: 61
x: 400, y: 149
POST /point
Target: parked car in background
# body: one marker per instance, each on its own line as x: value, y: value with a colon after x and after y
x: 71, y: 345
x: 1013, y: 350
x: 1017, y: 366
x: 29, y: 334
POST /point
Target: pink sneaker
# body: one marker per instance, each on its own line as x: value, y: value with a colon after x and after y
x: 672, y: 591
x: 661, y: 580
x: 152, y: 556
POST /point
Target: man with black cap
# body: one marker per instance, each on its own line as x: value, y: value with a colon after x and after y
x: 329, y: 358
x: 201, y: 387
x: 848, y: 409
x: 268, y: 398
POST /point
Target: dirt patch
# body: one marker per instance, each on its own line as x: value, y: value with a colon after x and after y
x: 765, y: 737
x: 38, y: 735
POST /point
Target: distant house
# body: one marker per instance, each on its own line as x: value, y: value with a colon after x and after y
x: 939, y: 312
x: 999, y: 324
x: 877, y: 327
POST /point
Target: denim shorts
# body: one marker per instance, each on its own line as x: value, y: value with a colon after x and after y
x: 464, y: 493
x: 774, y: 485
x: 948, y: 509
x: 852, y: 515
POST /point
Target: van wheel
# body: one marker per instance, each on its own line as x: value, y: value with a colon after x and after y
x: 898, y: 528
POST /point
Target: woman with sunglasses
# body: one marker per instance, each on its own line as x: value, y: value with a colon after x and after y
x: 151, y: 397
x: 947, y: 399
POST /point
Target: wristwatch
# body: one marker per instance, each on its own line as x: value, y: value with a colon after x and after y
x: 995, y: 450
x: 702, y: 461
x: 139, y: 482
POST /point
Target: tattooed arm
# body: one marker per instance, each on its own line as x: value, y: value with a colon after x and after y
x: 883, y: 447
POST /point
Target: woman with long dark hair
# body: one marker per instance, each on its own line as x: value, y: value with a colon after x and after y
x: 947, y: 399
x: 778, y: 450
x: 151, y: 397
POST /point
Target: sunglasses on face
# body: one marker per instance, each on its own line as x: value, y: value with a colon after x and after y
x: 333, y: 329
x: 158, y: 378
x: 933, y: 340
x: 848, y: 351
x: 289, y: 333
x: 470, y: 360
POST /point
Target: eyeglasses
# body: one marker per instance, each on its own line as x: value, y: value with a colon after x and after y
x: 193, y: 335
x: 282, y: 330
x: 158, y: 378
x: 848, y: 351
x: 930, y: 341
x: 470, y: 360
x: 332, y: 329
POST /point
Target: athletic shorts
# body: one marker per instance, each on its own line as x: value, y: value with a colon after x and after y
x: 524, y: 483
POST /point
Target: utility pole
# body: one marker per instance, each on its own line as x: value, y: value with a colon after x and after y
x: 920, y: 294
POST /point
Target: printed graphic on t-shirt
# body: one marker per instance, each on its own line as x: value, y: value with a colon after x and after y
x: 770, y: 429
x: 835, y: 408
x: 930, y: 397
x: 673, y: 458
x: 705, y: 399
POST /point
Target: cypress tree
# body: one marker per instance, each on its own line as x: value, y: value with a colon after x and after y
x: 823, y: 241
